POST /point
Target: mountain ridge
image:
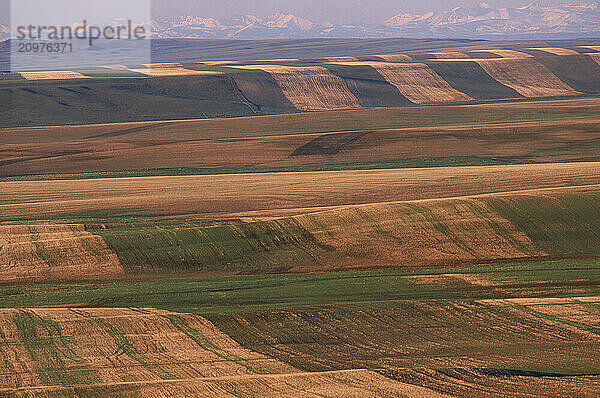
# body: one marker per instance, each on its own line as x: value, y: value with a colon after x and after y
x: 481, y: 22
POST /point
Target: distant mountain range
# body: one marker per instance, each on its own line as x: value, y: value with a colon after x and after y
x: 482, y: 22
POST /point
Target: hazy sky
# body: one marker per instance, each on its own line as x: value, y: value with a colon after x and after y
x: 336, y: 11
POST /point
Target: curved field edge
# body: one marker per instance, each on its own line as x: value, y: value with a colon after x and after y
x: 532, y: 225
x: 403, y: 234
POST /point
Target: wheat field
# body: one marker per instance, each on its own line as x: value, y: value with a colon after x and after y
x: 55, y: 75
x: 54, y: 252
x: 311, y: 88
x: 529, y: 78
x: 419, y: 83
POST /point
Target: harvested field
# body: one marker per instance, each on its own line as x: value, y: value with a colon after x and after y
x: 57, y: 75
x: 368, y: 86
x: 419, y: 83
x: 477, y: 55
x: 450, y: 55
x: 311, y: 88
x: 260, y: 89
x: 416, y: 335
x: 557, y: 224
x: 273, y: 193
x: 54, y: 252
x: 484, y: 382
x: 395, y: 57
x: 155, y: 353
x: 470, y: 78
x: 557, y: 51
x: 54, y: 347
x: 437, y: 232
x: 510, y: 53
x: 528, y: 77
x: 348, y: 384
x: 339, y: 59
x: 164, y: 71
x: 578, y: 71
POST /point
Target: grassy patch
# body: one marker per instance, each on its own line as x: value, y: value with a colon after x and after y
x: 454, y: 161
x: 233, y: 248
x: 561, y: 224
x: 280, y: 291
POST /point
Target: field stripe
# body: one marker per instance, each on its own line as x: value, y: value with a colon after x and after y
x: 419, y: 83
x: 595, y: 57
x: 450, y: 55
x: 173, y: 71
x: 529, y: 78
x: 40, y: 252
x: 557, y: 51
x: 510, y: 54
x: 311, y: 88
x: 55, y: 75
x: 395, y: 57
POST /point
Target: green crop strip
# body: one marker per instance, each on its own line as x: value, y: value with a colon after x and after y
x: 554, y: 318
x: 240, y: 248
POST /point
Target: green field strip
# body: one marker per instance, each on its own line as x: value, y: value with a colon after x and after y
x: 285, y: 291
x: 368, y: 86
x: 256, y: 248
x: 100, y: 72
x: 262, y: 91
x: 470, y: 78
x: 562, y: 224
x: 454, y: 161
x: 578, y: 71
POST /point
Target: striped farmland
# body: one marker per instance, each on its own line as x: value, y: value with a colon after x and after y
x: 419, y: 83
x: 311, y: 88
x: 529, y: 78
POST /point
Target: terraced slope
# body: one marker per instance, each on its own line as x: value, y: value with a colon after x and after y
x: 419, y: 83
x: 578, y: 71
x: 152, y: 353
x: 529, y: 78
x: 471, y: 79
x: 368, y: 86
x: 540, y: 224
x: 311, y: 88
x: 54, y: 252
x: 229, y: 89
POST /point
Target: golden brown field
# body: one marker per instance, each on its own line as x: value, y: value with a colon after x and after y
x: 274, y: 193
x: 311, y: 88
x: 151, y: 148
x: 527, y: 77
x: 419, y: 83
x: 369, y: 248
